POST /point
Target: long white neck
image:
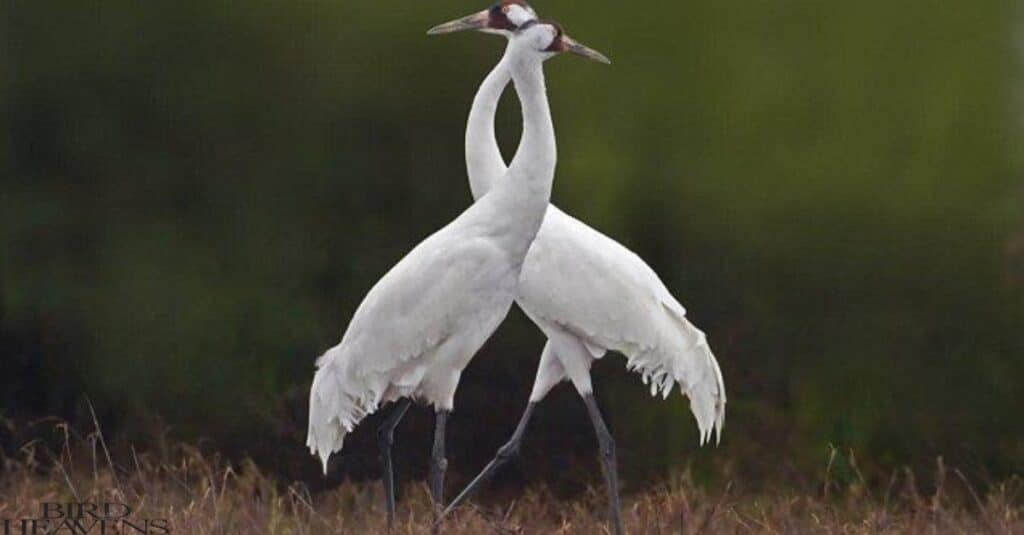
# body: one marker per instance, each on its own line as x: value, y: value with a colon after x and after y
x: 484, y: 162
x: 513, y: 209
x: 536, y: 156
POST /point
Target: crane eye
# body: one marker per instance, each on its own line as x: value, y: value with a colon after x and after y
x: 505, y: 9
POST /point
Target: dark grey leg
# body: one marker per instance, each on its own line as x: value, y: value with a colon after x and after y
x: 438, y: 464
x: 505, y: 454
x: 606, y: 445
x: 386, y: 438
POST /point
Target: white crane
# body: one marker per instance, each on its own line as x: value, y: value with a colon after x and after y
x: 420, y: 325
x: 588, y: 294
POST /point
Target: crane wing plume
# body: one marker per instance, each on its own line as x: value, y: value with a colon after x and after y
x: 611, y: 300
x: 690, y: 364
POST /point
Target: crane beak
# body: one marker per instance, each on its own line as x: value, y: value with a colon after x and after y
x: 476, y: 21
x: 573, y: 46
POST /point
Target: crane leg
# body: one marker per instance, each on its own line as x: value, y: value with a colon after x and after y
x: 606, y: 445
x: 505, y: 454
x: 386, y: 438
x: 438, y: 463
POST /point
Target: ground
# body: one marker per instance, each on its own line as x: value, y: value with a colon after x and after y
x: 190, y: 493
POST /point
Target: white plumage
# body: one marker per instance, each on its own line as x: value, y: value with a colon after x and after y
x: 580, y: 283
x: 420, y: 325
x: 414, y: 332
x: 589, y: 294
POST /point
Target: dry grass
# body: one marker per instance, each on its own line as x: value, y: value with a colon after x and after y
x: 199, y: 495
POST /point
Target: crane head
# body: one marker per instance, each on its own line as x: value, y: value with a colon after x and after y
x: 548, y: 37
x: 503, y: 18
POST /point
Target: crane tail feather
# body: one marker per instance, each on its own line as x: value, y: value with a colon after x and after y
x: 689, y: 363
x: 336, y: 405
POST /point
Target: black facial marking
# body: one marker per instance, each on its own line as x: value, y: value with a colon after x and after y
x: 557, y: 44
x: 498, y: 20
x: 529, y: 24
x: 498, y: 17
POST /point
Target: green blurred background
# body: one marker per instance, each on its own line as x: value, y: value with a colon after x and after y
x: 198, y: 194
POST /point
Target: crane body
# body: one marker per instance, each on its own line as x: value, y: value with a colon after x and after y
x: 421, y: 324
x: 589, y: 295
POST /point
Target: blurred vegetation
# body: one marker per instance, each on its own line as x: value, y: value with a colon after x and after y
x: 199, y: 194
x: 190, y: 493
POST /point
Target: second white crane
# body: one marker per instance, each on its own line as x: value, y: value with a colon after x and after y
x: 587, y: 293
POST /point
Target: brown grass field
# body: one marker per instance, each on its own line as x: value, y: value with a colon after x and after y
x: 196, y: 495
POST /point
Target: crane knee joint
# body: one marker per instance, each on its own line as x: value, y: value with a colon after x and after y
x: 509, y: 451
x: 441, y: 464
x: 386, y: 437
x: 607, y: 447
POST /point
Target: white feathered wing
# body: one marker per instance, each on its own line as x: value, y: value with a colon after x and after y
x: 601, y: 292
x: 442, y: 289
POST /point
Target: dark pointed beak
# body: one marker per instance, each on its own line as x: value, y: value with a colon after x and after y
x: 476, y: 21
x: 575, y: 47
